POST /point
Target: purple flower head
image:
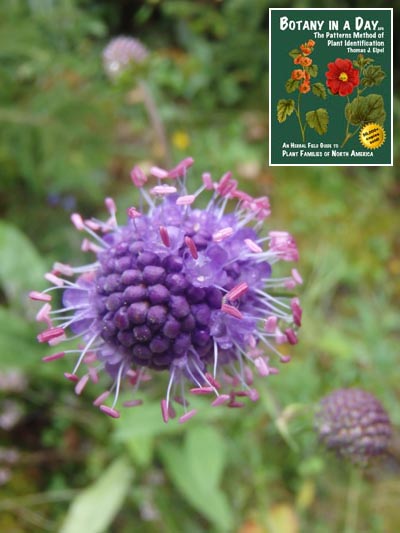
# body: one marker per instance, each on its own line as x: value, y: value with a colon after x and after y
x: 176, y: 289
x: 353, y: 423
x: 120, y: 52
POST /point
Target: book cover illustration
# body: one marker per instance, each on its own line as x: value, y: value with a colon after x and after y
x: 330, y: 86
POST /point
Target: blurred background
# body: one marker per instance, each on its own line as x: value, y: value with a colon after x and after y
x: 69, y: 135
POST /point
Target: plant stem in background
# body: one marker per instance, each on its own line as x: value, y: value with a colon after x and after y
x: 156, y: 122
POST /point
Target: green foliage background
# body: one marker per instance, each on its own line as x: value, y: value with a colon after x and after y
x: 68, y: 138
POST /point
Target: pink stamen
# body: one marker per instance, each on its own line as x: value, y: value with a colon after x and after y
x: 81, y: 384
x: 100, y: 399
x: 57, y: 340
x: 71, y: 377
x: 43, y: 314
x: 55, y: 280
x: 110, y: 411
x: 291, y: 336
x: 252, y: 246
x: 237, y: 291
x: 261, y: 366
x: 91, y: 224
x: 230, y: 310
x: 283, y: 244
x: 270, y: 324
x: 181, y: 401
x: 77, y: 221
x: 39, y: 296
x: 285, y: 359
x: 164, y: 410
x: 214, y: 382
x: 296, y: 276
x: 93, y: 374
x: 110, y: 206
x: 207, y: 181
x: 90, y: 357
x: 297, y: 311
x: 187, y: 416
x: 188, y: 199
x: 163, y: 190
x: 133, y: 213
x: 222, y: 234
x: 158, y: 172
x: 53, y: 357
x: 192, y: 247
x: 61, y: 268
x: 49, y: 334
x: 165, y: 236
x: 89, y: 246
x: 222, y: 398
x: 253, y: 395
x: 138, y: 177
x: 202, y: 390
x: 235, y: 404
x: 132, y: 403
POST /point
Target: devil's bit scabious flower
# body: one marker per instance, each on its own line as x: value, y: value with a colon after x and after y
x: 121, y: 52
x: 178, y: 289
x: 353, y: 423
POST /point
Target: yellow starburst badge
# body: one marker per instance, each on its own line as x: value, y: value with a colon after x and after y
x: 372, y: 136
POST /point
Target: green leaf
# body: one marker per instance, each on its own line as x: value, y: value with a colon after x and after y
x: 364, y: 109
x: 21, y: 267
x: 291, y: 85
x: 319, y: 90
x: 362, y: 61
x: 196, y: 470
x: 318, y: 120
x: 373, y: 75
x: 312, y: 70
x: 95, y: 507
x: 18, y: 345
x: 294, y: 53
x: 284, y: 109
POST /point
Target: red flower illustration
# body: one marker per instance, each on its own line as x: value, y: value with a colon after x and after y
x: 342, y: 77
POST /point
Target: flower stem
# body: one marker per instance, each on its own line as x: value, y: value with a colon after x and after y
x: 297, y: 111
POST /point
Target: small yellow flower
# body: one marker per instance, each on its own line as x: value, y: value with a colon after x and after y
x: 180, y: 139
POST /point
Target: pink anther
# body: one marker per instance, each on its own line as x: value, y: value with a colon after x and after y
x: 202, y: 390
x: 159, y: 173
x: 132, y: 403
x: 138, y: 177
x: 53, y: 357
x: 222, y: 398
x: 50, y: 334
x: 291, y: 336
x: 207, y: 181
x: 270, y: 324
x: 110, y: 411
x: 100, y: 399
x: 39, y: 296
x: 55, y: 280
x: 222, y: 234
x: 188, y: 199
x: 61, y: 268
x: 164, y: 236
x: 230, y: 310
x: 110, y: 206
x: 133, y: 213
x: 43, y: 314
x: 71, y: 377
x: 77, y: 221
x: 192, y: 247
x: 261, y: 366
x: 164, y: 410
x: 237, y: 291
x: 253, y: 246
x: 190, y: 414
x: 163, y: 190
x: 81, y: 384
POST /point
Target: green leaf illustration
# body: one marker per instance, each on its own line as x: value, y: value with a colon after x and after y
x: 318, y: 120
x: 284, y: 109
x: 362, y: 61
x: 373, y: 75
x: 312, y: 70
x: 319, y: 90
x: 294, y: 53
x: 364, y: 109
x: 291, y: 85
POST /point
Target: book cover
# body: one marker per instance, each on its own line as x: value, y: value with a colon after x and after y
x: 330, y: 86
